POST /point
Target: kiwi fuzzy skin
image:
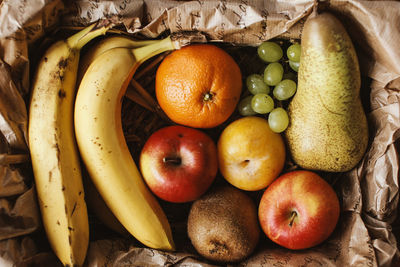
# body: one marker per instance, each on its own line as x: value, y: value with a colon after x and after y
x: 223, y: 225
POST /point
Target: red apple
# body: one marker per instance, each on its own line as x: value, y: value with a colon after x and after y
x: 299, y: 210
x: 179, y: 163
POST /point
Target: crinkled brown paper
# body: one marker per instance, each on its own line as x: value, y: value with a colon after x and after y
x: 366, y: 233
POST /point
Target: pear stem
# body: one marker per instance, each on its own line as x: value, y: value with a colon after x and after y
x: 314, y: 12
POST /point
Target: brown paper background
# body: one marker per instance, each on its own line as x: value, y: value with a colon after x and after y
x: 366, y: 234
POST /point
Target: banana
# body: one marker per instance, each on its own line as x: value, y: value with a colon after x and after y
x: 54, y: 154
x: 94, y: 201
x: 104, y: 45
x: 103, y: 148
x: 96, y: 204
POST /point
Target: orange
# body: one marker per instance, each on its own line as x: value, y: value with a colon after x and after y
x: 198, y: 85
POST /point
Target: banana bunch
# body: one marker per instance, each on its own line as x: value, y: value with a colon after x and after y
x: 53, y: 149
x: 103, y: 148
x: 94, y: 201
x: 105, y: 72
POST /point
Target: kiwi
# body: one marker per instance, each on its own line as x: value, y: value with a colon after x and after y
x: 223, y: 225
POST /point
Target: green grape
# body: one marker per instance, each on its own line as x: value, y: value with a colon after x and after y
x: 285, y: 89
x: 294, y: 65
x: 270, y: 52
x: 256, y: 85
x: 278, y: 120
x: 262, y: 103
x: 244, y: 106
x: 273, y: 73
x: 293, y: 52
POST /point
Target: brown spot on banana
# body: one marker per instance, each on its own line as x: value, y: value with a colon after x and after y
x: 62, y: 93
x: 57, y: 148
x: 62, y: 63
x: 73, y: 209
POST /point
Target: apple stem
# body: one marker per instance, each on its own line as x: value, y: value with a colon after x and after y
x: 174, y: 161
x: 292, y: 217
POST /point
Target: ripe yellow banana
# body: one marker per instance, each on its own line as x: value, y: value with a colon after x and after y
x: 96, y: 204
x: 94, y: 201
x: 107, y: 44
x: 54, y: 154
x: 103, y: 148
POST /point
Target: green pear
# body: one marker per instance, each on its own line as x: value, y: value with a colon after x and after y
x: 328, y: 128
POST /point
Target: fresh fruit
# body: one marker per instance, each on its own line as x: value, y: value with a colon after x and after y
x: 293, y: 52
x: 273, y: 73
x: 105, y: 44
x: 98, y: 207
x: 102, y: 145
x: 299, y: 210
x: 53, y: 150
x: 328, y: 128
x: 250, y: 154
x: 198, y: 86
x: 256, y: 85
x: 269, y: 51
x: 278, y: 120
x: 262, y: 103
x: 284, y: 90
x: 294, y: 65
x: 179, y: 163
x: 223, y: 225
x: 245, y: 108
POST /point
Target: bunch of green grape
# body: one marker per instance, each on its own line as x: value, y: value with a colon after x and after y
x: 275, y: 85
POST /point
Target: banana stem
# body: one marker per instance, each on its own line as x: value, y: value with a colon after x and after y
x: 143, y: 53
x: 81, y: 38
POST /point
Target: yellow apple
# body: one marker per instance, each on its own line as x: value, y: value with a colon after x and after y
x: 250, y: 154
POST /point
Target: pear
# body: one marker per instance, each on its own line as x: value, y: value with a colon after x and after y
x: 328, y: 128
